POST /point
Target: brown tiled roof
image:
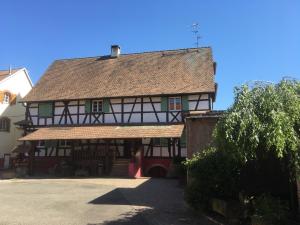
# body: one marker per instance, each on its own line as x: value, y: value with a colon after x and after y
x: 141, y: 74
x: 5, y: 73
x: 104, y: 132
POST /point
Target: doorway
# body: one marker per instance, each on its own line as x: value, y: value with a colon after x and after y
x: 131, y: 147
x: 128, y: 144
x: 6, y: 161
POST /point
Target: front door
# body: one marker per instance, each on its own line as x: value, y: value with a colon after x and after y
x: 131, y: 147
x: 6, y: 161
x: 128, y: 144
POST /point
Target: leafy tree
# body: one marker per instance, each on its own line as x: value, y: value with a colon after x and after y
x: 264, y: 119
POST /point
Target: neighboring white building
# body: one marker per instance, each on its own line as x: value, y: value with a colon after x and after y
x: 14, y: 85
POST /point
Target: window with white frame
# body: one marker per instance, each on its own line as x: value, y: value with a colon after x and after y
x: 6, y: 98
x: 175, y: 103
x: 97, y: 106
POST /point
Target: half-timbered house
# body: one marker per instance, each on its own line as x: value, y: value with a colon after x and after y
x: 119, y: 113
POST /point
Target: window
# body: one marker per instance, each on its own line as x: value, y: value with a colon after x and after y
x: 97, y: 106
x: 162, y: 142
x: 6, y: 98
x: 4, y: 124
x: 175, y: 103
x: 156, y: 141
x: 64, y: 143
x: 41, y: 144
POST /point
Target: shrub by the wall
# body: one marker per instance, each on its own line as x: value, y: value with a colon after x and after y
x: 270, y: 211
x: 212, y: 174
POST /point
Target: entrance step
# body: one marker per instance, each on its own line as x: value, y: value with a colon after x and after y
x: 120, y: 168
x: 7, y: 174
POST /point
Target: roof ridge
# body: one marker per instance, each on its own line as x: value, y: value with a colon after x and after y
x: 137, y: 53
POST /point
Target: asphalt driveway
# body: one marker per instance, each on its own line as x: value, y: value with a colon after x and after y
x: 94, y: 201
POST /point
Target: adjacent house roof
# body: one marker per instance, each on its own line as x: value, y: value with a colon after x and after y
x: 6, y: 73
x: 140, y: 74
x: 104, y: 132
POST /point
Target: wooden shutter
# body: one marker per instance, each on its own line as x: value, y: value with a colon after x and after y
x: 106, y: 105
x: 13, y: 99
x: 183, y: 139
x: 164, y: 142
x: 185, y: 103
x: 164, y: 103
x: 4, y: 124
x: 50, y: 143
x: 1, y: 96
x: 45, y: 109
x: 88, y: 106
x: 8, y: 124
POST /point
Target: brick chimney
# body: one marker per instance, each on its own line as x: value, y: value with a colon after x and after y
x: 115, y: 51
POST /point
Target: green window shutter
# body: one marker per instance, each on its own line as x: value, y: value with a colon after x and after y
x: 45, y: 109
x: 164, y: 103
x: 106, y: 105
x: 50, y: 143
x: 185, y: 103
x: 183, y: 139
x: 164, y: 142
x: 87, y: 106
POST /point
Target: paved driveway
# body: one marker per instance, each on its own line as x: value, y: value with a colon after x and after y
x: 94, y: 201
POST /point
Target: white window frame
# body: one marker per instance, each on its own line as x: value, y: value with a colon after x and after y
x: 6, y: 98
x: 98, y: 102
x: 175, y: 103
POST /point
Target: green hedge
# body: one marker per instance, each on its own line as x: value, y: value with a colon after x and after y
x: 213, y: 174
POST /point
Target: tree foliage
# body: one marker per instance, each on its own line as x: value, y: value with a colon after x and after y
x: 260, y: 130
x: 264, y: 118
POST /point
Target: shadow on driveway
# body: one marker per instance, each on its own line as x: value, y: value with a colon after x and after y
x: 156, y: 201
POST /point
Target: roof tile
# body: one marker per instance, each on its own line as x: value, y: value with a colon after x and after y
x: 104, y: 132
x: 142, y: 74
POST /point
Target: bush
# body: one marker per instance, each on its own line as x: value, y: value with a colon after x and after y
x: 177, y: 160
x: 178, y: 163
x: 270, y: 211
x: 212, y: 174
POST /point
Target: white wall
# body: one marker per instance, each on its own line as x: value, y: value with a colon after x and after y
x: 148, y: 115
x: 19, y: 84
x: 160, y: 151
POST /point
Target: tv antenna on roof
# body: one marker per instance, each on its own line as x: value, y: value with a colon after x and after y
x: 195, y: 30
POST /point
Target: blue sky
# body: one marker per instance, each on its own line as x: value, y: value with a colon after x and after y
x: 251, y: 40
